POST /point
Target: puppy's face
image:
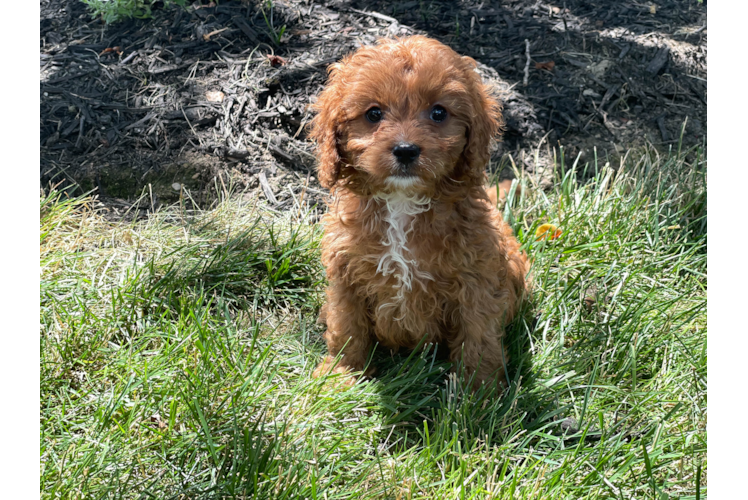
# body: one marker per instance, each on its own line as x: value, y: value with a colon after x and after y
x: 405, y: 115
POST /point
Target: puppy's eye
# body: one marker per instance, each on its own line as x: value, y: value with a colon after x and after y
x: 374, y: 115
x: 438, y: 113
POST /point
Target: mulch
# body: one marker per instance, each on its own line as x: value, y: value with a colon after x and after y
x: 216, y: 94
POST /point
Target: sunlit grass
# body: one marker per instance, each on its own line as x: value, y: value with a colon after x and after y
x: 176, y: 355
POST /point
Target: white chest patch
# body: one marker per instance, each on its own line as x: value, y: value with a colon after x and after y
x: 399, y: 215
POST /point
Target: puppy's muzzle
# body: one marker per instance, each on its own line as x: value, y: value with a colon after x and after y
x: 406, y: 154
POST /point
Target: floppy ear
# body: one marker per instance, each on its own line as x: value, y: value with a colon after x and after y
x: 484, y: 125
x: 325, y: 130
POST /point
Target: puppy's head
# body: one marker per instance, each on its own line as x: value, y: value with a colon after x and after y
x: 404, y: 115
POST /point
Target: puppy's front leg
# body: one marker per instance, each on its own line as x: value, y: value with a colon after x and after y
x: 348, y: 331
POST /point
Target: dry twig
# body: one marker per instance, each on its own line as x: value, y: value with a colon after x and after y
x: 527, y: 63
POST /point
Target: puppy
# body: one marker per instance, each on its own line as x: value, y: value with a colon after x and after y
x: 413, y: 248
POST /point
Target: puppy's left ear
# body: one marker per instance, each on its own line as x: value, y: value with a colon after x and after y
x: 324, y: 130
x: 485, y: 124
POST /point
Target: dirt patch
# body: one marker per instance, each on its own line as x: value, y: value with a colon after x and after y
x: 193, y: 95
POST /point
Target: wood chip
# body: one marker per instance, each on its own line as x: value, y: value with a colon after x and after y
x: 376, y: 15
x: 663, y: 129
x: 266, y: 188
x: 214, y: 96
x: 658, y: 61
x: 244, y: 27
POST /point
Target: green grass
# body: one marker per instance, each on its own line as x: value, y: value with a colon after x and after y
x: 275, y: 33
x: 176, y: 356
x: 113, y: 11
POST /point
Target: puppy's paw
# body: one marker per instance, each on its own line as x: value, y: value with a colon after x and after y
x: 348, y: 376
x: 328, y: 367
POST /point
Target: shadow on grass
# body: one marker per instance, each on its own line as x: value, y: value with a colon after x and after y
x: 425, y: 402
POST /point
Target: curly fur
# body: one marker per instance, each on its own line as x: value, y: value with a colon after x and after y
x: 424, y: 254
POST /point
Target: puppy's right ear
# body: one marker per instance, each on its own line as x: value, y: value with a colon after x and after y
x: 325, y: 130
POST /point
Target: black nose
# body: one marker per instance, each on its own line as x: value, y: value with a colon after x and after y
x: 406, y: 152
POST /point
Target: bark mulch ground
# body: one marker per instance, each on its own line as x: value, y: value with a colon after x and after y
x: 211, y: 94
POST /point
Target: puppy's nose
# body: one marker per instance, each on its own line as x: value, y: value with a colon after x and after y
x: 406, y: 152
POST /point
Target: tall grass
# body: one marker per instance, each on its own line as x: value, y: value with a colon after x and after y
x: 176, y: 355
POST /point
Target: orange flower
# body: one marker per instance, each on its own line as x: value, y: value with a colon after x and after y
x: 547, y: 231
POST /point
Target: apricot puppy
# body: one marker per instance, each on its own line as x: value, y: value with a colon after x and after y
x: 413, y: 248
